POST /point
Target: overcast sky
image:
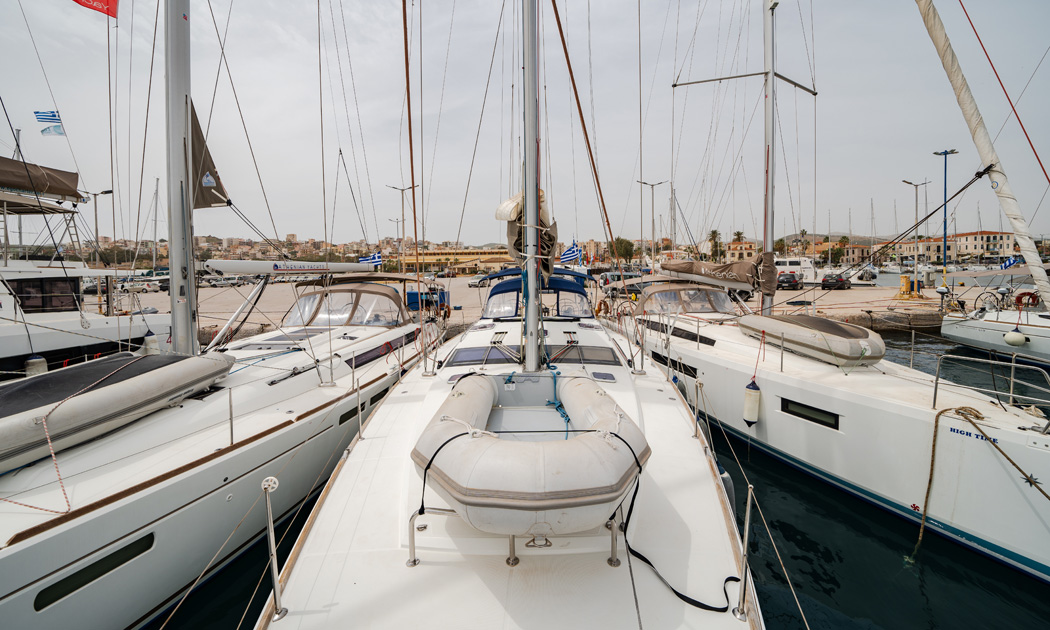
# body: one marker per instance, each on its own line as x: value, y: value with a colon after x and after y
x: 884, y: 107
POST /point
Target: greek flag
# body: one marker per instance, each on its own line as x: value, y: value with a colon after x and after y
x: 572, y: 254
x: 47, y: 117
x: 374, y: 259
x: 1009, y: 262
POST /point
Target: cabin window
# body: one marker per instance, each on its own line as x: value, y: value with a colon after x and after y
x: 482, y: 355
x: 92, y: 572
x: 349, y: 415
x: 813, y: 414
x: 46, y: 295
x: 377, y: 397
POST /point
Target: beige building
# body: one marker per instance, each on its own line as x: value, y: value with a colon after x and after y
x: 464, y: 260
x: 740, y: 250
x: 962, y: 246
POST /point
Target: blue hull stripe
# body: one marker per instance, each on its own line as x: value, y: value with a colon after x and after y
x: 992, y: 550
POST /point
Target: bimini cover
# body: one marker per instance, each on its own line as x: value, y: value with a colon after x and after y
x: 86, y: 400
x: 758, y: 272
x: 838, y: 343
x: 534, y: 488
x: 511, y: 211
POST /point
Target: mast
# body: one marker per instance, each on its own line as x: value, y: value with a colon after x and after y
x: 983, y: 142
x: 180, y: 253
x: 531, y: 187
x: 156, y: 210
x: 770, y: 121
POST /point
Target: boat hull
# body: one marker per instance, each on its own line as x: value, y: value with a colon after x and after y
x: 871, y: 434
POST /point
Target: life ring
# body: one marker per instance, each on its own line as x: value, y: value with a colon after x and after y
x: 444, y: 310
x: 1027, y: 299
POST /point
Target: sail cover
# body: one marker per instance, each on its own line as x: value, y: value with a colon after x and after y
x: 208, y: 191
x: 757, y: 272
x: 983, y: 141
x: 27, y: 179
x: 511, y: 212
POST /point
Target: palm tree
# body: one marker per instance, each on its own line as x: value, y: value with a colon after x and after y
x: 716, y: 248
x: 738, y: 236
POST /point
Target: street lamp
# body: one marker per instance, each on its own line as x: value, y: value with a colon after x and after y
x: 400, y: 248
x: 94, y: 202
x: 400, y: 242
x: 915, y: 268
x: 945, y: 153
x: 652, y: 208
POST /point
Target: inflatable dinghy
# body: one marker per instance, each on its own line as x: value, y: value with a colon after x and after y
x: 84, y: 401
x: 568, y: 481
x: 837, y: 343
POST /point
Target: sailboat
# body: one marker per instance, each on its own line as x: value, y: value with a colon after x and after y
x: 137, y: 476
x: 817, y: 394
x: 527, y: 480
x: 44, y: 321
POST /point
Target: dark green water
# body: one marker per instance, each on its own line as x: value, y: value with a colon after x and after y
x: 846, y: 557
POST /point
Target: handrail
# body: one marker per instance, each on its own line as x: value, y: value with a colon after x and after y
x: 1013, y: 379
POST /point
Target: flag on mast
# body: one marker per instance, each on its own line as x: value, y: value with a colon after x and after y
x: 48, y: 117
x: 573, y: 254
x: 374, y: 259
x: 109, y: 7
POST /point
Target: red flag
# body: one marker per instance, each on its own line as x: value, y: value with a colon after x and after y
x: 109, y: 7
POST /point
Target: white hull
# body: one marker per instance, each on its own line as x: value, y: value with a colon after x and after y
x: 880, y: 450
x: 181, y: 487
x: 986, y: 330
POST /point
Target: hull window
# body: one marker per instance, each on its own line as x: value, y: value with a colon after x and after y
x: 92, y: 572
x: 797, y: 409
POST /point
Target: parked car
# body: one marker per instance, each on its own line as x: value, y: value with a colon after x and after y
x: 478, y: 281
x: 834, y: 281
x: 446, y: 274
x: 789, y: 280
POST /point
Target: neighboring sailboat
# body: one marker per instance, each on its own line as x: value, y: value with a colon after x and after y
x: 42, y: 312
x: 815, y: 393
x: 523, y: 479
x: 106, y: 531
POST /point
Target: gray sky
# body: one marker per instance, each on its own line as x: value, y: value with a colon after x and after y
x: 884, y: 107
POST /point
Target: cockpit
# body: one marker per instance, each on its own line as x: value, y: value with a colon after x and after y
x: 361, y: 304
x: 675, y: 299
x: 560, y: 298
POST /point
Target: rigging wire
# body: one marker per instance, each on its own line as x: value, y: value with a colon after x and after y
x: 441, y: 105
x: 481, y: 119
x: 50, y: 91
x: 244, y: 125
x: 357, y: 108
x: 145, y: 127
x: 1005, y: 93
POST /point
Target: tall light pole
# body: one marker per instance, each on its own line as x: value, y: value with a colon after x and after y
x: 945, y: 153
x: 400, y: 249
x: 400, y: 243
x: 915, y: 267
x: 94, y: 203
x: 652, y: 209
